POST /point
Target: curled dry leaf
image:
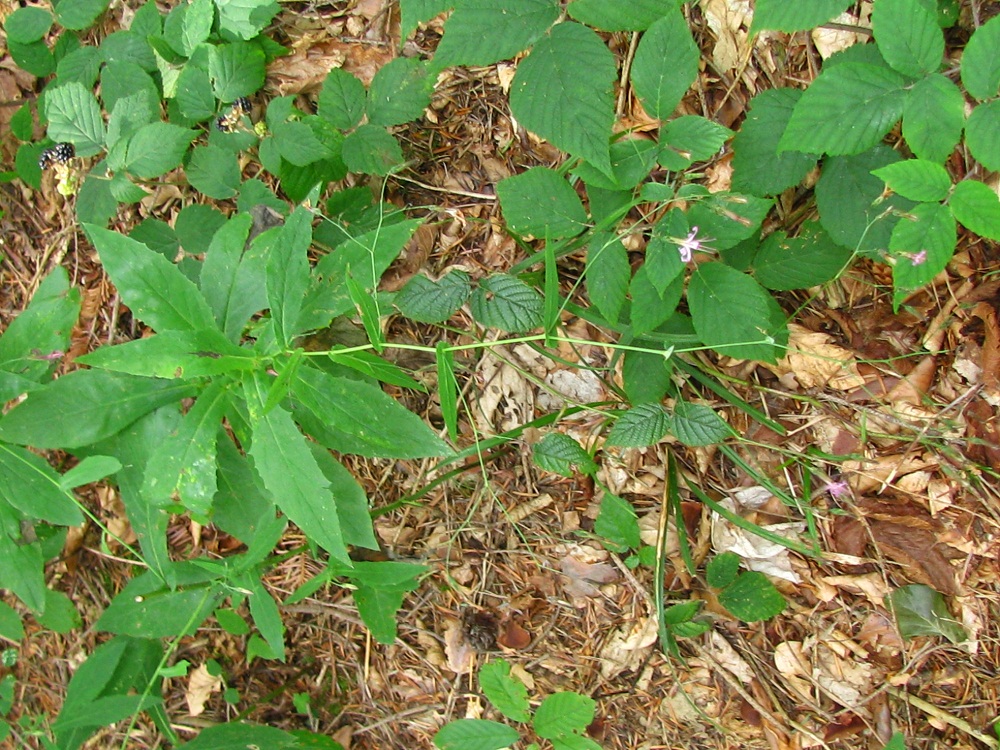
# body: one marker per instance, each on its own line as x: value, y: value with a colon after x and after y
x: 628, y: 646
x: 583, y: 578
x: 814, y: 361
x: 457, y: 649
x: 200, y: 687
x: 756, y: 552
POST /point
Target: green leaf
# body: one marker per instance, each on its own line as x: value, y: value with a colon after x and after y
x: 980, y: 66
x: 632, y: 159
x: 916, y: 179
x: 234, y: 281
x: 75, y: 116
x: 980, y: 134
x: 541, y: 203
x: 154, y: 289
x: 637, y: 15
x: 734, y: 315
x: 727, y: 218
x: 236, y: 69
x: 373, y: 366
x: 90, y: 469
x: 157, y: 148
x: 722, y: 570
x: 920, y: 610
x: 697, y: 425
x: 79, y: 14
x: 29, y: 484
x: 238, y: 736
x: 35, y: 58
x: 508, y: 694
x: 475, y: 734
x: 929, y: 229
x: 896, y: 742
x: 214, y: 172
x: 666, y: 64
x: 42, y: 329
x: 27, y: 25
x: 368, y: 310
x: 976, y: 206
x: 242, y: 507
x: 607, y: 275
x: 505, y: 302
x: 427, y: 301
x: 562, y: 714
x: 851, y: 207
x: 415, y: 12
x: 23, y: 570
x: 95, y: 203
x: 908, y: 36
x: 126, y: 46
x: 174, y: 354
x: 783, y: 263
x: 399, y: 92
x: 352, y: 503
x: 147, y: 608
x: 378, y: 606
x: 85, y: 406
x: 355, y: 417
x: 10, y: 624
x: 371, y: 150
x: 290, y: 473
x: 82, y: 65
x: 559, y: 453
x: 563, y: 92
x: 288, y: 274
x: 60, y: 613
x: 650, y: 309
x: 642, y: 425
x: 194, y: 93
x: 617, y: 522
x: 265, y: 615
x: 645, y: 377
x: 245, y: 18
x: 297, y: 143
x: 758, y: 167
x: 123, y: 79
x: 785, y: 16
x: 933, y: 117
x: 447, y: 388
x: 341, y: 101
x: 514, y: 25
x: 183, y: 468
x: 752, y: 597
x: 848, y: 109
x: 196, y: 25
x: 696, y: 138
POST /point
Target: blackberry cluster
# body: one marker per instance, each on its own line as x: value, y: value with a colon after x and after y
x: 58, y: 154
x: 227, y: 122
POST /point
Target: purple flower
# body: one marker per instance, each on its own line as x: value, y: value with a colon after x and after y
x: 837, y: 489
x: 918, y: 258
x: 689, y: 245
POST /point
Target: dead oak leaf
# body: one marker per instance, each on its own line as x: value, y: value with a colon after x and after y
x: 582, y: 578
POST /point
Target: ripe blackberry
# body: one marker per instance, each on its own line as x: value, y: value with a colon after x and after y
x: 58, y: 154
x: 242, y: 105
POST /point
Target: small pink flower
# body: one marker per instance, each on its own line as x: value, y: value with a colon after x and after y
x: 837, y: 489
x: 689, y: 245
x: 918, y: 258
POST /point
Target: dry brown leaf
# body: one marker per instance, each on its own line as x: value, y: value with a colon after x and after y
x: 461, y: 655
x: 814, y: 361
x: 756, y: 552
x: 583, y: 578
x: 628, y: 646
x: 200, y: 687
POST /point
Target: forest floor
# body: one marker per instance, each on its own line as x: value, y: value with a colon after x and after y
x: 911, y: 399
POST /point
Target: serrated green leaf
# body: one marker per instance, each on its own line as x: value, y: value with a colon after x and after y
x: 980, y: 134
x: 541, y: 203
x: 786, y: 16
x: 505, y: 302
x: 916, y: 179
x: 563, y: 92
x: 146, y: 607
x: 783, y: 263
x: 508, y: 694
x: 695, y: 137
x: 726, y: 219
x: 758, y: 167
x: 288, y: 274
x: 290, y: 473
x: 265, y: 615
x: 933, y: 117
x: 617, y: 522
x: 153, y: 288
x: 645, y: 377
x: 123, y: 79
x: 85, y: 406
x: 663, y: 263
x: 923, y: 242
x: 157, y: 148
x: 372, y: 150
x: 399, y: 92
x: 513, y: 26
x: 562, y: 714
x: 127, y: 46
x: 245, y: 18
x: 10, y: 624
x: 698, y: 425
x: 415, y: 12
x: 35, y: 58
x: 980, y: 66
x: 607, y: 275
x: 196, y: 25
x: 82, y: 65
x: 236, y: 69
x: 559, y: 453
x: 214, y: 172
x: 79, y: 14
x: 908, y: 36
x: 632, y: 159
x: 977, y: 207
x: 75, y: 116
x: 642, y: 425
x: 194, y: 93
x: 848, y: 109
x: 355, y: 417
x: 734, y: 315
x: 650, y: 309
x: 375, y: 367
x: 722, y: 570
x: 27, y: 25
x: 298, y: 144
x: 475, y: 734
x: 665, y: 65
x: 752, y: 597
x: 683, y: 612
x: 60, y: 614
x: 352, y: 503
x: 233, y: 279
x: 637, y: 15
x: 920, y: 610
x: 429, y: 301
x: 341, y: 101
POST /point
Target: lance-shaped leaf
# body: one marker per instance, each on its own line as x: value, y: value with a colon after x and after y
x: 29, y: 484
x: 173, y: 354
x: 288, y: 274
x: 233, y: 277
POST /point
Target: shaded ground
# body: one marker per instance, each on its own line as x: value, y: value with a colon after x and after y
x: 910, y: 398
